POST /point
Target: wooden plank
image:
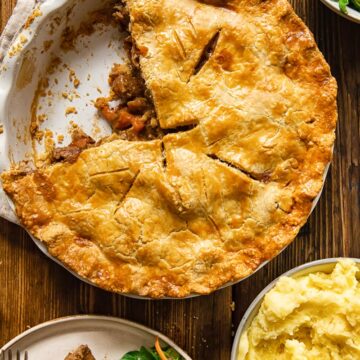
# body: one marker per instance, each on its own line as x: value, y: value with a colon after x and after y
x: 6, y: 7
x: 33, y: 289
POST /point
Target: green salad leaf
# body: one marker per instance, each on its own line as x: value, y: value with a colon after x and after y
x: 151, y: 354
x: 356, y: 4
x: 172, y: 354
x: 142, y: 354
x: 353, y: 3
x: 343, y: 5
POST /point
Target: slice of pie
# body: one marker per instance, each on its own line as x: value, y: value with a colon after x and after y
x: 83, y: 352
x: 214, y: 175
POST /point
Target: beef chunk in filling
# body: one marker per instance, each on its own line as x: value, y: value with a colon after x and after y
x: 80, y: 141
x: 134, y: 118
x: 135, y: 114
x: 125, y: 83
x: 135, y: 111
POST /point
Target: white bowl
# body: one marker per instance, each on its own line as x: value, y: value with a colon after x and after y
x: 352, y: 14
x: 324, y: 265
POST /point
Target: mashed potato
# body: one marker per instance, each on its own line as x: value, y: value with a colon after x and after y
x: 311, y: 317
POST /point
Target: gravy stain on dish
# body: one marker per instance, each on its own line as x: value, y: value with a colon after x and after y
x: 27, y: 69
x: 57, y: 89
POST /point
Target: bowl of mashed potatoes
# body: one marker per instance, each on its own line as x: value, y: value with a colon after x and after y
x: 310, y: 312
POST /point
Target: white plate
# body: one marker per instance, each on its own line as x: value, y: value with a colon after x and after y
x: 323, y: 265
x: 352, y: 14
x: 94, y: 54
x: 108, y: 338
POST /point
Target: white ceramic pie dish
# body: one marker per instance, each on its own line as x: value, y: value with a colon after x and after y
x: 352, y: 14
x: 108, y: 338
x: 324, y: 265
x: 25, y: 64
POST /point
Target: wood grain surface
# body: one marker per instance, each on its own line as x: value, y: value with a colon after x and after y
x: 33, y: 289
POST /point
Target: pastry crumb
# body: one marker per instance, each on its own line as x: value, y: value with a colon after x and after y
x: 76, y: 83
x: 67, y: 96
x: 71, y: 110
x: 41, y: 118
x: 36, y: 13
x: 73, y: 78
x: 38, y: 135
x: 73, y: 126
x: 18, y: 46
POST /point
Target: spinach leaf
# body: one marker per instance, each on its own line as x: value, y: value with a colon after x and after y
x: 142, y: 354
x: 343, y: 5
x: 172, y: 354
x: 151, y: 354
x: 356, y: 4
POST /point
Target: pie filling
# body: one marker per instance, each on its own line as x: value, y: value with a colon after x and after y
x: 134, y: 118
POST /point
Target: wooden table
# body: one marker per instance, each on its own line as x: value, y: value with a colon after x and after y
x: 33, y: 289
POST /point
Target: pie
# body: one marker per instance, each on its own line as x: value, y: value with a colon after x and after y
x: 83, y: 352
x: 216, y: 169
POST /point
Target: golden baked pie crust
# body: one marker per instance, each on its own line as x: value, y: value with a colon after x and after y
x: 197, y: 209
